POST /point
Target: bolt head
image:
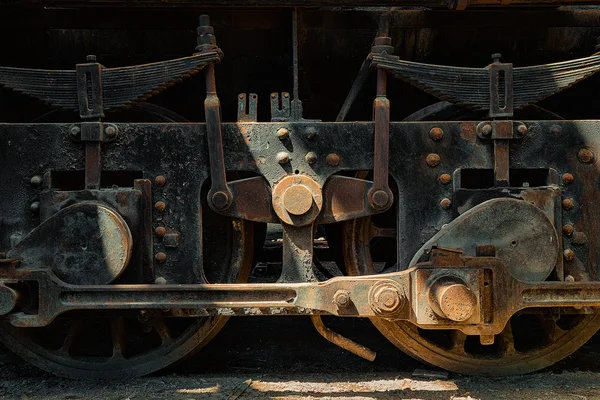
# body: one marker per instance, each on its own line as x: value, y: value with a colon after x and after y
x: 160, y: 281
x: 283, y: 134
x: 220, y: 200
x: 436, y: 133
x: 160, y: 257
x: 445, y: 203
x: 568, y: 254
x: 569, y: 278
x: 283, y: 157
x: 36, y: 180
x: 160, y: 180
x: 568, y: 204
x: 386, y: 299
x: 333, y: 160
x: 433, y: 160
x: 75, y: 131
x: 445, y: 179
x: 310, y: 157
x: 311, y: 133
x: 160, y: 206
x: 341, y: 298
x: 568, y: 178
x: 568, y: 229
x: 486, y: 130
x: 522, y: 129
x: 110, y: 131
x: 35, y: 206
x: 160, y: 231
x: 585, y: 155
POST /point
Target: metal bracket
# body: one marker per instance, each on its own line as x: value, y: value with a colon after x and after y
x: 501, y: 88
x: 89, y: 89
x: 280, y: 113
x: 247, y: 110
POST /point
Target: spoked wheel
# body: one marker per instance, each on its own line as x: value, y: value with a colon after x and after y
x: 533, y: 339
x: 119, y: 345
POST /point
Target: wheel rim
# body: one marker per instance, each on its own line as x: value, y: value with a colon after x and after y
x: 132, y: 344
x: 533, y: 339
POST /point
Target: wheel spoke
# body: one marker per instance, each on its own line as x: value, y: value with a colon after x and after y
x: 458, y: 339
x: 382, y: 232
x: 117, y: 333
x: 507, y: 340
x: 162, y: 330
x: 74, y: 330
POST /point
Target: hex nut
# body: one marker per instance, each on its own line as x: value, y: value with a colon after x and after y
x: 283, y: 157
x: 341, y: 298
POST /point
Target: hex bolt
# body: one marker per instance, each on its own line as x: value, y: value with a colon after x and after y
x: 445, y: 203
x: 160, y: 281
x: 341, y: 298
x: 36, y: 180
x: 436, y: 133
x: 35, y: 206
x: 568, y: 254
x: 569, y: 278
x: 445, y: 178
x: 386, y: 299
x: 283, y: 157
x: 75, y: 131
x: 160, y: 231
x: 90, y: 58
x: 433, y: 160
x: 568, y: 178
x: 486, y: 130
x: 160, y: 206
x: 333, y: 160
x: 311, y: 133
x: 110, y: 131
x: 310, y: 157
x: 160, y: 180
x: 568, y: 204
x: 160, y: 257
x: 585, y: 155
x: 522, y: 129
x: 283, y: 134
x: 568, y: 229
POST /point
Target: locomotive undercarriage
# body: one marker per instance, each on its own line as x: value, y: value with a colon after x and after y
x: 146, y: 232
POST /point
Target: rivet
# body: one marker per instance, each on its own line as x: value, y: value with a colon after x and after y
x: 568, y: 178
x: 160, y: 231
x: 160, y: 281
x: 283, y: 134
x: 568, y: 204
x: 522, y: 129
x: 160, y: 180
x: 35, y: 206
x: 310, y: 157
x: 445, y: 178
x: 585, y: 155
x: 333, y: 159
x: 569, y: 278
x: 433, y: 160
x: 445, y: 203
x: 110, y: 131
x: 436, y: 133
x: 568, y: 229
x: 36, y: 180
x: 486, y: 130
x: 160, y: 257
x: 568, y: 254
x: 311, y: 132
x: 579, y: 239
x: 160, y: 206
x: 283, y: 157
x: 74, y: 131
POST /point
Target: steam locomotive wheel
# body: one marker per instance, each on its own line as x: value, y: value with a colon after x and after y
x: 100, y: 345
x: 533, y: 339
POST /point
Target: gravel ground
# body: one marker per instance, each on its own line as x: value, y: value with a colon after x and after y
x: 285, y: 358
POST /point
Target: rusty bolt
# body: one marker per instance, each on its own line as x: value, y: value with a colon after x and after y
x: 74, y: 131
x: 522, y: 129
x: 35, y: 206
x: 433, y: 160
x: 568, y: 229
x: 36, y: 180
x: 160, y: 281
x: 110, y: 131
x: 283, y: 134
x: 160, y: 257
x: 585, y: 155
x: 311, y: 132
x: 569, y: 278
x: 333, y: 159
x: 445, y: 178
x: 445, y: 203
x: 310, y: 157
x: 568, y: 204
x: 568, y: 178
x: 579, y: 239
x: 341, y: 298
x: 386, y: 299
x: 436, y: 133
x: 283, y: 157
x: 160, y: 206
x: 380, y: 199
x: 160, y: 231
x: 220, y: 200
x: 160, y: 180
x: 568, y: 254
x: 486, y: 130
